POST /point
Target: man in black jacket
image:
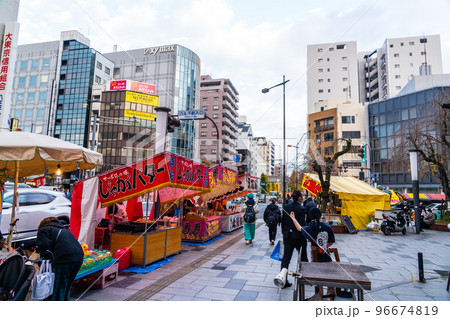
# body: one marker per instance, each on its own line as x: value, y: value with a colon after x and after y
x: 292, y: 238
x: 67, y: 254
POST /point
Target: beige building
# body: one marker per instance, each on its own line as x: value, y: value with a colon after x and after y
x: 330, y: 123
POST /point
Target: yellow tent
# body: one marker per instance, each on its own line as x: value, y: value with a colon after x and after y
x: 359, y: 200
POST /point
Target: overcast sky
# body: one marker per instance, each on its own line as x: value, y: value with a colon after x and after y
x: 251, y: 42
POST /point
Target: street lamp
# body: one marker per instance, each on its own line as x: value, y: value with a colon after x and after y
x: 414, y: 162
x: 265, y: 90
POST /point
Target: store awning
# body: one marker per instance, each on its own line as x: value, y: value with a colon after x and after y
x: 174, y: 177
x: 247, y: 184
x: 222, y: 181
x: 425, y: 196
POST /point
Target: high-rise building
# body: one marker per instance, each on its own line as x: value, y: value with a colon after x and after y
x: 266, y: 151
x: 385, y: 71
x: 53, y: 85
x: 246, y: 148
x: 332, y: 72
x: 9, y: 34
x: 338, y: 71
x: 175, y: 71
x: 219, y: 99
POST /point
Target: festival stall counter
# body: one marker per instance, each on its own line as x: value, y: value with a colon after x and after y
x: 232, y: 218
x: 205, y: 222
x: 167, y: 177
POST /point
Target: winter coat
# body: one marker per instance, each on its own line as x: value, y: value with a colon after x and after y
x: 429, y: 219
x: 66, y: 249
x: 272, y: 210
x: 287, y: 225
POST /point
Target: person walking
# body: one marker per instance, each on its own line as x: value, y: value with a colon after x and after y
x: 66, y: 252
x: 249, y: 211
x: 293, y: 238
x: 272, y: 217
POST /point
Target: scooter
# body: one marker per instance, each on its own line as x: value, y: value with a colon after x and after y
x: 393, y: 222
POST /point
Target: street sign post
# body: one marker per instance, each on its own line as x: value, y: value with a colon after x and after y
x: 191, y: 115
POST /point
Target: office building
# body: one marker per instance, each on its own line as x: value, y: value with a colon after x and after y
x: 53, y: 85
x: 219, y: 99
x: 389, y: 122
x: 175, y: 71
x: 246, y: 148
x: 266, y: 151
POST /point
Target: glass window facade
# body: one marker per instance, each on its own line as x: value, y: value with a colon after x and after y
x: 74, y: 93
x: 388, y: 123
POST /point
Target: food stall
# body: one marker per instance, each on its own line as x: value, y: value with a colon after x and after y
x: 232, y: 221
x: 359, y: 200
x: 206, y: 222
x: 167, y: 177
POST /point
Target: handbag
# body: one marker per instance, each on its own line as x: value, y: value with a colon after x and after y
x: 44, y: 282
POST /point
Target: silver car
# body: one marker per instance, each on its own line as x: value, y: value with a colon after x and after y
x: 34, y: 206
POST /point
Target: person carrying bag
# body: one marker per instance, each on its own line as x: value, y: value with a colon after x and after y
x: 44, y: 282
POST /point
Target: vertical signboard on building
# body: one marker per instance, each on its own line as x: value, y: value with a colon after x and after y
x: 8, y: 52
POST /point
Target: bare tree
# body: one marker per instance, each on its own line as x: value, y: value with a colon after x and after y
x: 324, y: 167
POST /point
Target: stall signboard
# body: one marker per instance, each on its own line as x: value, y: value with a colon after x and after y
x: 222, y: 180
x: 249, y: 182
x: 231, y: 222
x: 201, y: 231
x: 311, y: 185
x: 165, y: 170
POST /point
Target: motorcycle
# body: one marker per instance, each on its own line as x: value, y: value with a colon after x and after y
x: 394, y: 222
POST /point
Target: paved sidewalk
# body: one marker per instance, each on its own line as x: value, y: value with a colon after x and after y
x: 230, y: 270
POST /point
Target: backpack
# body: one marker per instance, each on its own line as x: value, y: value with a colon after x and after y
x: 272, y: 218
x: 249, y: 216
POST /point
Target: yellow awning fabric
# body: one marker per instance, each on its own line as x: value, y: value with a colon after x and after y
x: 359, y: 200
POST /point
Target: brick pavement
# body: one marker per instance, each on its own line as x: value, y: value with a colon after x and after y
x: 229, y: 270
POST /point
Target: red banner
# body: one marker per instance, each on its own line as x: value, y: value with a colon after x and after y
x: 222, y: 181
x: 311, y: 185
x: 164, y: 170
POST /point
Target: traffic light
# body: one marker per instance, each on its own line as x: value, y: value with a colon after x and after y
x: 172, y: 122
x: 361, y: 152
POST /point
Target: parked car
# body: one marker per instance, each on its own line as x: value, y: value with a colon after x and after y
x: 34, y: 206
x: 435, y: 207
x: 10, y: 186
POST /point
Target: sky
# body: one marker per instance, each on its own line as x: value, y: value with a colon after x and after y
x: 251, y: 42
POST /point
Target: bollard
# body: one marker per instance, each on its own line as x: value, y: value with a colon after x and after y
x: 421, y: 276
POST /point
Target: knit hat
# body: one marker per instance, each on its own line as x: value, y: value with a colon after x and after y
x: 250, y: 195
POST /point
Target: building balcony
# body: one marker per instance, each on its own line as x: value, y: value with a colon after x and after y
x: 323, y: 128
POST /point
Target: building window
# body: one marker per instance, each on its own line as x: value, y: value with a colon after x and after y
x: 98, y: 80
x: 344, y: 90
x: 397, y: 76
x: 398, y: 87
x: 203, y: 134
x: 202, y: 151
x: 42, y: 97
x: 44, y: 80
x: 320, y: 70
x: 411, y: 64
x: 22, y: 82
x: 320, y: 91
x: 204, y: 125
x: 411, y: 43
x: 45, y: 64
x: 30, y: 99
x: 23, y: 66
x: 203, y: 142
x: 396, y: 55
x: 351, y: 134
x: 341, y: 46
x: 205, y: 107
x: 328, y: 69
x: 320, y: 60
x: 319, y: 50
x: 32, y: 82
x: 215, y: 107
x: 328, y: 136
x: 28, y: 115
x: 139, y: 69
x: 344, y: 58
x: 216, y: 99
x: 401, y: 44
x: 107, y: 70
x: 344, y: 68
x: 320, y: 80
x: 329, y: 90
x: 344, y: 79
x: 396, y: 65
x: 19, y: 99
x: 34, y: 65
x: 331, y: 49
x: 40, y: 114
x: 214, y: 134
x: 214, y: 151
x: 318, y: 137
x: 328, y: 150
x: 18, y: 114
x: 205, y: 99
x: 215, y: 116
x: 348, y: 119
x: 99, y: 65
x: 410, y: 53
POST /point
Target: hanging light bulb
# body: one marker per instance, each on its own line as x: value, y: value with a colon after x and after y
x: 58, y: 172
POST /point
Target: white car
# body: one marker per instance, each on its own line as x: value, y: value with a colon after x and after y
x: 435, y: 207
x: 10, y: 186
x: 34, y: 206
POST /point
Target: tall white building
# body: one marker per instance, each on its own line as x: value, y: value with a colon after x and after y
x: 332, y: 72
x: 338, y: 71
x: 266, y: 154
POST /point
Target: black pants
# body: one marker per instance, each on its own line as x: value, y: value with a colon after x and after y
x: 272, y: 232
x: 290, y: 244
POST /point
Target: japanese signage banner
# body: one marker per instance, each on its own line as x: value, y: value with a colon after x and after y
x: 132, y: 86
x: 222, y: 180
x: 140, y: 98
x: 165, y: 170
x: 140, y: 115
x: 311, y: 185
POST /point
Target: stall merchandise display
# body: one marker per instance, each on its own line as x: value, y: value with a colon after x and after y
x: 94, y: 259
x: 200, y: 227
